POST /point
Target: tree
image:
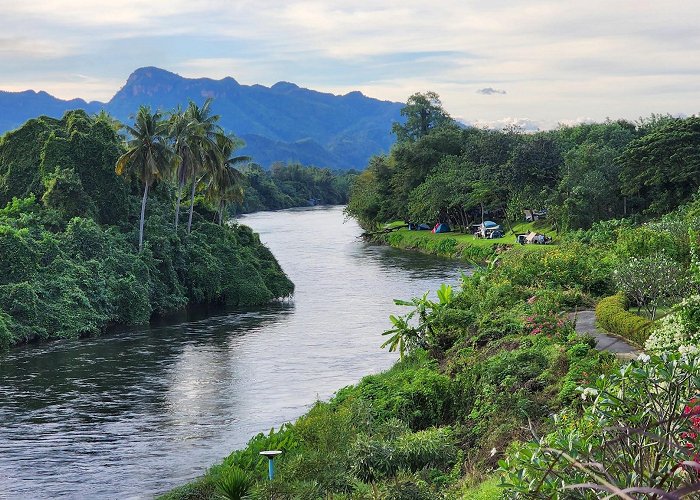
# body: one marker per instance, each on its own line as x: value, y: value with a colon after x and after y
x: 423, y: 113
x: 652, y: 281
x: 183, y: 134
x: 225, y: 181
x: 663, y: 167
x: 148, y: 154
x: 205, y: 154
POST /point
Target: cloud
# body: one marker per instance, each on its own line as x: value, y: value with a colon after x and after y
x: 490, y: 91
x: 620, y: 59
x: 509, y: 122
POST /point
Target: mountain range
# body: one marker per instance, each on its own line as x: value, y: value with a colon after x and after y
x: 283, y: 122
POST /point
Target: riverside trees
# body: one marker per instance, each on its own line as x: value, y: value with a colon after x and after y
x: 582, y: 174
x: 69, y: 265
x: 188, y: 147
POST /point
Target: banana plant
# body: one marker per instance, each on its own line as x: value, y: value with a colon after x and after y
x: 404, y: 336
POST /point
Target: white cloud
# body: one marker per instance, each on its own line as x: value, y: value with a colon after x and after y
x: 556, y: 59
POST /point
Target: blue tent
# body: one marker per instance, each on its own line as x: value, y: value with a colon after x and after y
x: 489, y: 224
x: 442, y: 228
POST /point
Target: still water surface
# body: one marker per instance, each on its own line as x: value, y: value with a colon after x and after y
x: 136, y: 412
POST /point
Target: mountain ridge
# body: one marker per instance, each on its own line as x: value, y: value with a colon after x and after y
x: 283, y: 122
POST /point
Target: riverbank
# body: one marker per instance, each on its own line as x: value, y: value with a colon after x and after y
x: 462, y: 246
x: 484, y: 367
x: 84, y: 248
x: 147, y: 408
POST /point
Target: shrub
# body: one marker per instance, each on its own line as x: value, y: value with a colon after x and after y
x: 234, y: 484
x: 633, y: 434
x: 611, y: 313
x: 679, y: 330
x: 651, y: 281
x: 377, y: 458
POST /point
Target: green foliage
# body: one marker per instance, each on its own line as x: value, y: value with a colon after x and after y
x: 611, y: 313
x: 659, y: 170
x: 234, y: 484
x: 653, y: 281
x: 405, y: 337
x: 678, y: 330
x: 64, y: 192
x: 423, y: 113
x: 292, y: 185
x: 566, y: 267
x: 68, y: 265
x: 375, y: 458
x: 638, y: 432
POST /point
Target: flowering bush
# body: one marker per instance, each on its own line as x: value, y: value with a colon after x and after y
x: 692, y: 411
x: 651, y: 281
x: 679, y: 330
x: 637, y: 436
x: 549, y: 324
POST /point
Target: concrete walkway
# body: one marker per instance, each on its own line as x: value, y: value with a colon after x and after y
x: 585, y: 324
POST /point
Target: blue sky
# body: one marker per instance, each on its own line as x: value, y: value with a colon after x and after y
x: 541, y: 62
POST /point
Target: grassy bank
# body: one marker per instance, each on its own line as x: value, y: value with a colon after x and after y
x: 462, y: 246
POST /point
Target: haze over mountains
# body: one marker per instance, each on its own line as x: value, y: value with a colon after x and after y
x: 279, y: 123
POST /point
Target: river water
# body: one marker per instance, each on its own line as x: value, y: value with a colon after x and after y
x: 136, y: 412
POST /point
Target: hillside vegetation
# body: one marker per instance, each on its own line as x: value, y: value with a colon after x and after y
x: 496, y: 395
x: 69, y: 232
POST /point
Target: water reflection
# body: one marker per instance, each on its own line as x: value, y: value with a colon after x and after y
x: 138, y: 411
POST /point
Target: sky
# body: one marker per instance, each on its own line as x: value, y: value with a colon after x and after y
x: 536, y: 63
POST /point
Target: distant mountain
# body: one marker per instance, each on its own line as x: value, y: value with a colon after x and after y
x: 279, y: 123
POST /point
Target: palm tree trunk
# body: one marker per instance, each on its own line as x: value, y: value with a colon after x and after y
x: 180, y: 187
x: 222, y: 207
x: 143, y: 214
x: 189, y: 222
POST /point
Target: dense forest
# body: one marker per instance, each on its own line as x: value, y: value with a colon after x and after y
x: 579, y: 174
x: 292, y: 185
x: 89, y: 232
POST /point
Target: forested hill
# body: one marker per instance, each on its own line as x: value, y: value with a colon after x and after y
x: 280, y: 123
x: 69, y: 226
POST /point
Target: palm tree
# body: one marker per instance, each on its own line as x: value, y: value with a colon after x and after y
x: 205, y: 153
x: 148, y: 154
x: 226, y: 181
x: 183, y: 133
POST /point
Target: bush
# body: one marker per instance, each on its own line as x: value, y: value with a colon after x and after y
x: 639, y: 431
x: 652, y: 281
x: 612, y: 315
x: 679, y: 330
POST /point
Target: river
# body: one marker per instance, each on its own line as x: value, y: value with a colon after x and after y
x: 138, y: 411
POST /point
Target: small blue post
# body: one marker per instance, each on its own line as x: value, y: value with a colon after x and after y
x: 270, y: 454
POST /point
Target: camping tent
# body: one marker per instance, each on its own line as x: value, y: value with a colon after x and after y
x: 441, y: 228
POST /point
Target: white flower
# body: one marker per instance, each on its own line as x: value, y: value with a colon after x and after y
x: 588, y: 391
x: 644, y: 358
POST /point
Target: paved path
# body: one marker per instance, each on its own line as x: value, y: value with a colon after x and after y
x: 585, y: 323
